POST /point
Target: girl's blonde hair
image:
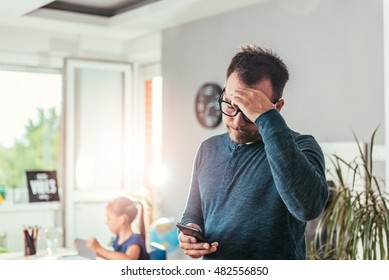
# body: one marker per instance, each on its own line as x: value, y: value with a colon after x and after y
x: 127, y: 207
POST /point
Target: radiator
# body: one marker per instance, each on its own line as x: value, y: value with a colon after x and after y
x: 13, y: 241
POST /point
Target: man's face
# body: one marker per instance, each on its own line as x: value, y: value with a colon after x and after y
x: 238, y: 129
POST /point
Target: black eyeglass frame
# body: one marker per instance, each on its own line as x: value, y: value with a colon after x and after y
x: 237, y: 109
x: 221, y: 101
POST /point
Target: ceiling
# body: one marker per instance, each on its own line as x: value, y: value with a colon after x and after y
x: 97, y: 7
x: 123, y: 19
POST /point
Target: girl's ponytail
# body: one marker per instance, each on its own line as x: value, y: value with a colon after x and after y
x: 142, y: 228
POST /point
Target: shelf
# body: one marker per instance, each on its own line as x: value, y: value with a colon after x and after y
x: 6, y: 207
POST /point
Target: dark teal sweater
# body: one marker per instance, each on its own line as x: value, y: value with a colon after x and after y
x: 255, y: 199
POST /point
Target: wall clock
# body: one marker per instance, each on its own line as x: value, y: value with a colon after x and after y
x: 207, y: 106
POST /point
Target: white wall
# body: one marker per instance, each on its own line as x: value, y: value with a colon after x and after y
x: 334, y: 50
x: 386, y: 75
x: 40, y: 48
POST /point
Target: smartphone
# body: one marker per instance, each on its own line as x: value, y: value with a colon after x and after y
x: 192, y: 231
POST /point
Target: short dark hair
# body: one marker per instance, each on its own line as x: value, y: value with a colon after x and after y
x: 253, y: 64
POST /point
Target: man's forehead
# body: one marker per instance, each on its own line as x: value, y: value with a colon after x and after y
x: 264, y: 86
x: 233, y: 82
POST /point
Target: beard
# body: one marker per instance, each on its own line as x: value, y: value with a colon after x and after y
x: 243, y: 134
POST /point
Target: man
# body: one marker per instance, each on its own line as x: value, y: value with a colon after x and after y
x: 254, y: 188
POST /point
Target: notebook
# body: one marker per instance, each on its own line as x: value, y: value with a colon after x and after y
x: 83, y: 250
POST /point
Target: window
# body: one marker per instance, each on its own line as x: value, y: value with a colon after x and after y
x: 30, y: 101
x: 155, y: 172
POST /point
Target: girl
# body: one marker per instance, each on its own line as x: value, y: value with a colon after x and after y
x: 127, y: 245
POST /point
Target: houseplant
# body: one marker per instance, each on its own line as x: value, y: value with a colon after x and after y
x: 355, y: 224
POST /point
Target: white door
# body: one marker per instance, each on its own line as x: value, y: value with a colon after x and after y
x: 101, y: 144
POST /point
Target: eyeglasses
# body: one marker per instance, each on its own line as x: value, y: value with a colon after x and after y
x: 227, y: 109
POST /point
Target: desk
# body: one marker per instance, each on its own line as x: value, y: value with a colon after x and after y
x: 61, y: 253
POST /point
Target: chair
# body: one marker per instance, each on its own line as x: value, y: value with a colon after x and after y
x: 157, y: 251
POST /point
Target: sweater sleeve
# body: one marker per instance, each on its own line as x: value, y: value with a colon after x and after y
x: 193, y: 212
x: 297, y: 166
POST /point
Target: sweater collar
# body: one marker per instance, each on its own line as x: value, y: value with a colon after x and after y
x: 232, y: 146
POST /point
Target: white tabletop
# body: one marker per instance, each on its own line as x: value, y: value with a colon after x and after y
x: 61, y: 253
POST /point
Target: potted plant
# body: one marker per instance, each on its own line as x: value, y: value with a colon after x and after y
x: 355, y: 224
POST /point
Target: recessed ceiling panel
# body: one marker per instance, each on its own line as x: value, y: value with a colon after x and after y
x: 105, y: 8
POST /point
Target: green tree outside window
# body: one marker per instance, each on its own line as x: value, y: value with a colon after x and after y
x: 38, y: 149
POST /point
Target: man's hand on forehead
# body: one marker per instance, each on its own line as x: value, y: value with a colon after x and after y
x: 253, y: 102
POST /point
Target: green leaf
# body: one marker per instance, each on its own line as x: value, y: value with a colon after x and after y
x: 356, y: 222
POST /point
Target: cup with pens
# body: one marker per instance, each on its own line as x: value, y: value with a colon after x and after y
x: 30, y: 237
